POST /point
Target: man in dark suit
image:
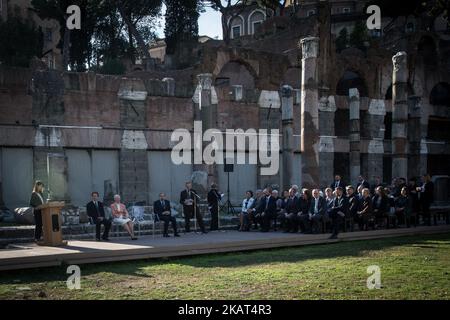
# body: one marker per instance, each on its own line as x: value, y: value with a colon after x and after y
x: 426, y: 198
x: 337, y: 183
x: 162, y: 208
x: 338, y: 211
x: 214, y: 197
x: 254, y: 207
x: 267, y: 210
x: 317, y: 210
x: 365, y: 210
x: 353, y: 205
x: 189, y: 199
x: 96, y: 211
x: 291, y: 211
x: 362, y: 182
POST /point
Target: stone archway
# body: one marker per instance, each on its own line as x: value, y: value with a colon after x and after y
x: 236, y: 73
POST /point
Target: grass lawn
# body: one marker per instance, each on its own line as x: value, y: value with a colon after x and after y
x: 411, y: 268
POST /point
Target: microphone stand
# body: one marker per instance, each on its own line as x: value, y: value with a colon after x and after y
x: 195, y: 209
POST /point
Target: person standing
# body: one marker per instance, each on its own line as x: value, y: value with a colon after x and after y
x: 36, y: 201
x: 96, y: 211
x: 337, y: 183
x: 214, y: 197
x: 189, y: 199
x: 162, y: 209
x: 426, y: 198
x: 362, y: 182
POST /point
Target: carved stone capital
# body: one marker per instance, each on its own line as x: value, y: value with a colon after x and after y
x: 310, y: 47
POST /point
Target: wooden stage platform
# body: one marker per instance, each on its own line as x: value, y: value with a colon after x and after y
x: 25, y: 256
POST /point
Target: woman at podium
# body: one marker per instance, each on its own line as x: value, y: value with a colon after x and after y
x: 37, y: 199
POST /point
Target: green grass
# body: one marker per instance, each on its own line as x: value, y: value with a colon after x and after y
x: 411, y: 268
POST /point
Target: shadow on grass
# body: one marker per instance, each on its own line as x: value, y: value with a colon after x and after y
x: 231, y: 260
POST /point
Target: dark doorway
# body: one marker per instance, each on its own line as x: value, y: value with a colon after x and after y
x: 351, y: 80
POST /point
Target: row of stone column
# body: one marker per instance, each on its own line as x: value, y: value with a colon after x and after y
x: 315, y: 168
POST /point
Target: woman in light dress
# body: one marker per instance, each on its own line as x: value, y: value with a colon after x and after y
x: 121, y: 216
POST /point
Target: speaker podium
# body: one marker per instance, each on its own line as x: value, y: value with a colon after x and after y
x: 51, y: 225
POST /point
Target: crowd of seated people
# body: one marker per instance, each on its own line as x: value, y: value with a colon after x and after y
x: 368, y: 206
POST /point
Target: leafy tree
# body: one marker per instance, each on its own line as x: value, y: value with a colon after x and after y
x: 113, y: 67
x: 342, y: 40
x: 21, y: 41
x: 359, y: 35
x: 181, y: 22
x: 110, y: 29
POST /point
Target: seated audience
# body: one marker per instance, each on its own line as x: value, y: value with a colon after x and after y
x: 290, y: 212
x: 317, y: 210
x: 267, y: 210
x: 96, y: 211
x: 403, y: 206
x: 338, y: 212
x: 380, y: 206
x: 304, y: 205
x: 162, y: 209
x: 365, y: 210
x: 121, y: 216
x: 353, y: 203
x: 247, y: 205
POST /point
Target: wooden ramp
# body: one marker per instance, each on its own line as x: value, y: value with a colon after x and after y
x: 84, y: 252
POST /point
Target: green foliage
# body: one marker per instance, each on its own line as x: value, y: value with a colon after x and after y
x: 104, y: 35
x: 181, y: 22
x: 342, y: 40
x: 21, y: 41
x: 359, y: 35
x: 113, y: 67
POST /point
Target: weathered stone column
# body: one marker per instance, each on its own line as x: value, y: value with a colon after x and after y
x: 374, y: 129
x: 400, y: 115
x: 133, y: 158
x: 355, y: 136
x: 205, y: 112
x: 287, y: 119
x: 310, y: 113
x: 327, y: 112
x: 414, y: 137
